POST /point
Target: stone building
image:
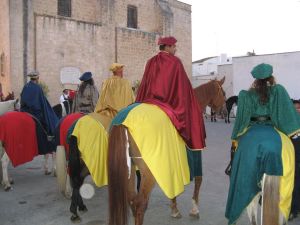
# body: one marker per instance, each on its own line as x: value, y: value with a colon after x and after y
x: 63, y: 38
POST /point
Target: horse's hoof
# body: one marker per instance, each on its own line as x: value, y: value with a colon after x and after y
x: 47, y: 173
x: 8, y: 188
x: 194, y: 215
x: 176, y: 215
x: 75, y: 219
x: 83, y: 209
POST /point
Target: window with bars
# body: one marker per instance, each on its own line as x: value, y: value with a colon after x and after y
x: 64, y: 8
x: 131, y: 16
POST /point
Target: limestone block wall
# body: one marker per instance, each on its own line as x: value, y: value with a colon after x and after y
x: 4, y: 47
x: 134, y: 48
x: 68, y: 43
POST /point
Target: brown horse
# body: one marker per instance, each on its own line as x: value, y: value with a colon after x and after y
x: 212, y: 94
x: 208, y: 94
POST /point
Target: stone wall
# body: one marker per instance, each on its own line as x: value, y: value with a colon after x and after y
x: 91, y: 39
x: 4, y: 47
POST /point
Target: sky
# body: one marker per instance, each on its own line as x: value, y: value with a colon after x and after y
x: 235, y: 27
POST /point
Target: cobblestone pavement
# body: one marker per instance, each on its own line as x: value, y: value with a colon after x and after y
x: 35, y: 199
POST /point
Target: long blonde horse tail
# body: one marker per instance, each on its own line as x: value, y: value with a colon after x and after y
x: 117, y: 176
x: 271, y: 197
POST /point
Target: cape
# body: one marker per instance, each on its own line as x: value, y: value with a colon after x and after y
x: 166, y: 84
x: 35, y: 103
x: 116, y: 93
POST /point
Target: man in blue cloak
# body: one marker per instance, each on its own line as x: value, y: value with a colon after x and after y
x: 34, y: 102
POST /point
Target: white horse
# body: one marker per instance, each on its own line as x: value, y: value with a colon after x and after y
x: 6, y: 180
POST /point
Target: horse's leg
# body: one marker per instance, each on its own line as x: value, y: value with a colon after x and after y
x: 270, y: 200
x: 46, y: 166
x: 83, y: 174
x: 142, y: 198
x: 174, y: 210
x: 195, y: 200
x: 5, y: 182
x: 76, y: 180
x: 252, y: 210
x: 68, y: 189
x: 54, y: 164
x: 140, y: 202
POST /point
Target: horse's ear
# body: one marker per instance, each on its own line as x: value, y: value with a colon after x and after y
x: 222, y: 81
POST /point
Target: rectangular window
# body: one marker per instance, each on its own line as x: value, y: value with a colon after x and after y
x: 64, y: 8
x: 131, y: 16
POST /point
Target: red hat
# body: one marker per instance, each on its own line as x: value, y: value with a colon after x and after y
x: 167, y: 41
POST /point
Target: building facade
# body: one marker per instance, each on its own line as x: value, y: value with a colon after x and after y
x: 63, y: 38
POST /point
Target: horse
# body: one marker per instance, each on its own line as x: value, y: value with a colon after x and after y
x: 119, y: 137
x: 223, y: 113
x: 77, y: 154
x: 208, y: 94
x: 25, y: 145
x: 229, y: 104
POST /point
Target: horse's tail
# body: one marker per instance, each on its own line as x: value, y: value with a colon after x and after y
x: 117, y: 176
x: 270, y: 200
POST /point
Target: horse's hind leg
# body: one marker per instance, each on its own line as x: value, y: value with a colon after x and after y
x: 194, y: 212
x: 5, y: 182
x: 46, y: 166
x: 252, y: 209
x: 141, y: 201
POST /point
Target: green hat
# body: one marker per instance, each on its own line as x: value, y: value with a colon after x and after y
x: 262, y: 71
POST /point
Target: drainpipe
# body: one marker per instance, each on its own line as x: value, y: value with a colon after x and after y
x: 25, y: 40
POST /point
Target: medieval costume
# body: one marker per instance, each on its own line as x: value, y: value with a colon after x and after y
x: 87, y: 95
x: 261, y: 131
x: 166, y: 84
x: 116, y: 93
x: 34, y: 102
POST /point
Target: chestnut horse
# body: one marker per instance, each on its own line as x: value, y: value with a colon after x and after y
x: 211, y: 94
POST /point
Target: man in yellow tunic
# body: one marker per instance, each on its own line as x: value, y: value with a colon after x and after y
x: 116, y: 93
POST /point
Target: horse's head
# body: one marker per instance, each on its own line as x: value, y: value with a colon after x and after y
x: 211, y: 94
x: 217, y: 94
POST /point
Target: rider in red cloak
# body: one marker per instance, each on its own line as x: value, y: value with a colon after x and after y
x: 166, y: 84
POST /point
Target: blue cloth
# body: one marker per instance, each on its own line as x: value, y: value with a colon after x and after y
x: 85, y: 76
x: 34, y: 102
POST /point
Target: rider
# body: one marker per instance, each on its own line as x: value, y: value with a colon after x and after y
x: 166, y: 84
x: 34, y: 102
x: 116, y: 93
x: 87, y: 95
x: 265, y: 117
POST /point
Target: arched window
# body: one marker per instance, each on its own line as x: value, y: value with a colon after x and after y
x: 131, y: 16
x: 64, y: 8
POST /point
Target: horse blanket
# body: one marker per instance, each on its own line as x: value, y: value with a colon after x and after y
x: 63, y: 128
x: 262, y: 149
x: 160, y: 145
x: 15, y: 140
x: 92, y: 141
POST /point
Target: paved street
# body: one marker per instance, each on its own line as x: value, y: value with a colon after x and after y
x: 35, y: 199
